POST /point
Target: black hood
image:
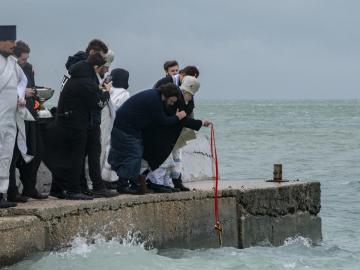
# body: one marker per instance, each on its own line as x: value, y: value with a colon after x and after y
x: 79, y: 56
x: 120, y: 78
x: 82, y: 69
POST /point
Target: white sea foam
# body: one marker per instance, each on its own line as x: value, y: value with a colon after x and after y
x: 299, y: 240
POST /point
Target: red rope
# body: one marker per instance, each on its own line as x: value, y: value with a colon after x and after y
x: 215, y: 165
x: 216, y: 176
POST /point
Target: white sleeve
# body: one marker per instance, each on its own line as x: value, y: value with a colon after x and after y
x: 22, y: 83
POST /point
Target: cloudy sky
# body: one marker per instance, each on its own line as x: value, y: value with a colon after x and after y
x: 245, y: 49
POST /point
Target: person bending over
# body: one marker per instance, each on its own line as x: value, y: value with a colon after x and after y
x: 139, y: 112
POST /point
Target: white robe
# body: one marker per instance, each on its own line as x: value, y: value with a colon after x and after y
x: 117, y: 97
x: 12, y: 88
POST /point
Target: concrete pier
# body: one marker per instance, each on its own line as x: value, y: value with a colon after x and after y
x: 251, y: 213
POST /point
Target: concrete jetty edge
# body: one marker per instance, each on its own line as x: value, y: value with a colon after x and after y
x: 251, y: 212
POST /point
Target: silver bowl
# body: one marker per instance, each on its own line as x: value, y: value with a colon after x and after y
x: 44, y: 93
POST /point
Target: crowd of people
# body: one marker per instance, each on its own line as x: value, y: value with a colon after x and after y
x: 122, y: 142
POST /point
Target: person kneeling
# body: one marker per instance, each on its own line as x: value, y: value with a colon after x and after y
x: 139, y: 112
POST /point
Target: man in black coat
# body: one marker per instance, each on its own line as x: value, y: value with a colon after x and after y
x: 93, y: 146
x: 140, y: 112
x: 66, y: 143
x: 28, y: 171
x: 159, y: 142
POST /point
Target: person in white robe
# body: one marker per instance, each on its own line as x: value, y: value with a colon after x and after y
x: 12, y: 108
x: 118, y: 95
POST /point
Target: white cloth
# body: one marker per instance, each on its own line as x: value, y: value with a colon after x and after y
x: 170, y: 169
x: 12, y: 88
x: 117, y: 97
x: 176, y: 79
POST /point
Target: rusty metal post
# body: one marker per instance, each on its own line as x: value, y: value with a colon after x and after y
x: 277, y: 173
x: 142, y: 184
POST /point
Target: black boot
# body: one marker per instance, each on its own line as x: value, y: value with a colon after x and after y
x: 124, y: 187
x: 111, y: 185
x: 174, y: 189
x: 4, y: 203
x: 179, y: 184
x: 17, y: 198
x: 34, y: 194
x: 104, y: 193
x: 77, y: 196
x: 158, y: 188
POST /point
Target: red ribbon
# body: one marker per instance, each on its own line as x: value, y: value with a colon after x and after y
x: 215, y: 165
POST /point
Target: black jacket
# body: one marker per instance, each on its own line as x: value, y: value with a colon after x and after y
x: 80, y: 96
x: 77, y: 57
x: 95, y: 116
x: 141, y: 111
x: 30, y: 101
x: 160, y: 141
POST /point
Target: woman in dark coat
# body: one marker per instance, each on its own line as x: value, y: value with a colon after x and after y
x: 139, y: 112
x: 66, y: 142
x: 160, y: 141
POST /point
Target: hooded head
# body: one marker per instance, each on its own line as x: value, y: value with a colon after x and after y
x: 120, y: 78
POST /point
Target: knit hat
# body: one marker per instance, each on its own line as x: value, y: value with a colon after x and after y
x: 120, y: 78
x: 7, y: 32
x: 109, y: 57
x: 190, y: 84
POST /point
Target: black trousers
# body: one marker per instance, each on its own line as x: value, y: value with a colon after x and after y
x: 13, y: 189
x: 64, y: 156
x: 28, y: 171
x: 93, y: 152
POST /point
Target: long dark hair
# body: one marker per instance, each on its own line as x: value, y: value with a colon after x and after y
x: 169, y: 90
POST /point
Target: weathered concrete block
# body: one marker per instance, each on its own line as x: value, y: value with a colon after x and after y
x: 254, y: 230
x: 19, y: 237
x: 262, y: 230
x: 298, y: 224
x: 281, y: 200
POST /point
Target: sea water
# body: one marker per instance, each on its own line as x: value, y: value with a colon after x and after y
x: 314, y: 140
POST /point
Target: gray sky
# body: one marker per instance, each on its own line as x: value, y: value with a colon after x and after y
x: 245, y: 49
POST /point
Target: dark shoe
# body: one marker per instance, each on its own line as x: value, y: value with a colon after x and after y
x: 174, y: 189
x: 127, y: 190
x: 104, y: 193
x: 35, y: 195
x: 77, y: 196
x: 158, y: 188
x: 111, y: 185
x: 6, y: 204
x: 59, y: 195
x: 88, y: 192
x: 17, y: 198
x: 178, y: 184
